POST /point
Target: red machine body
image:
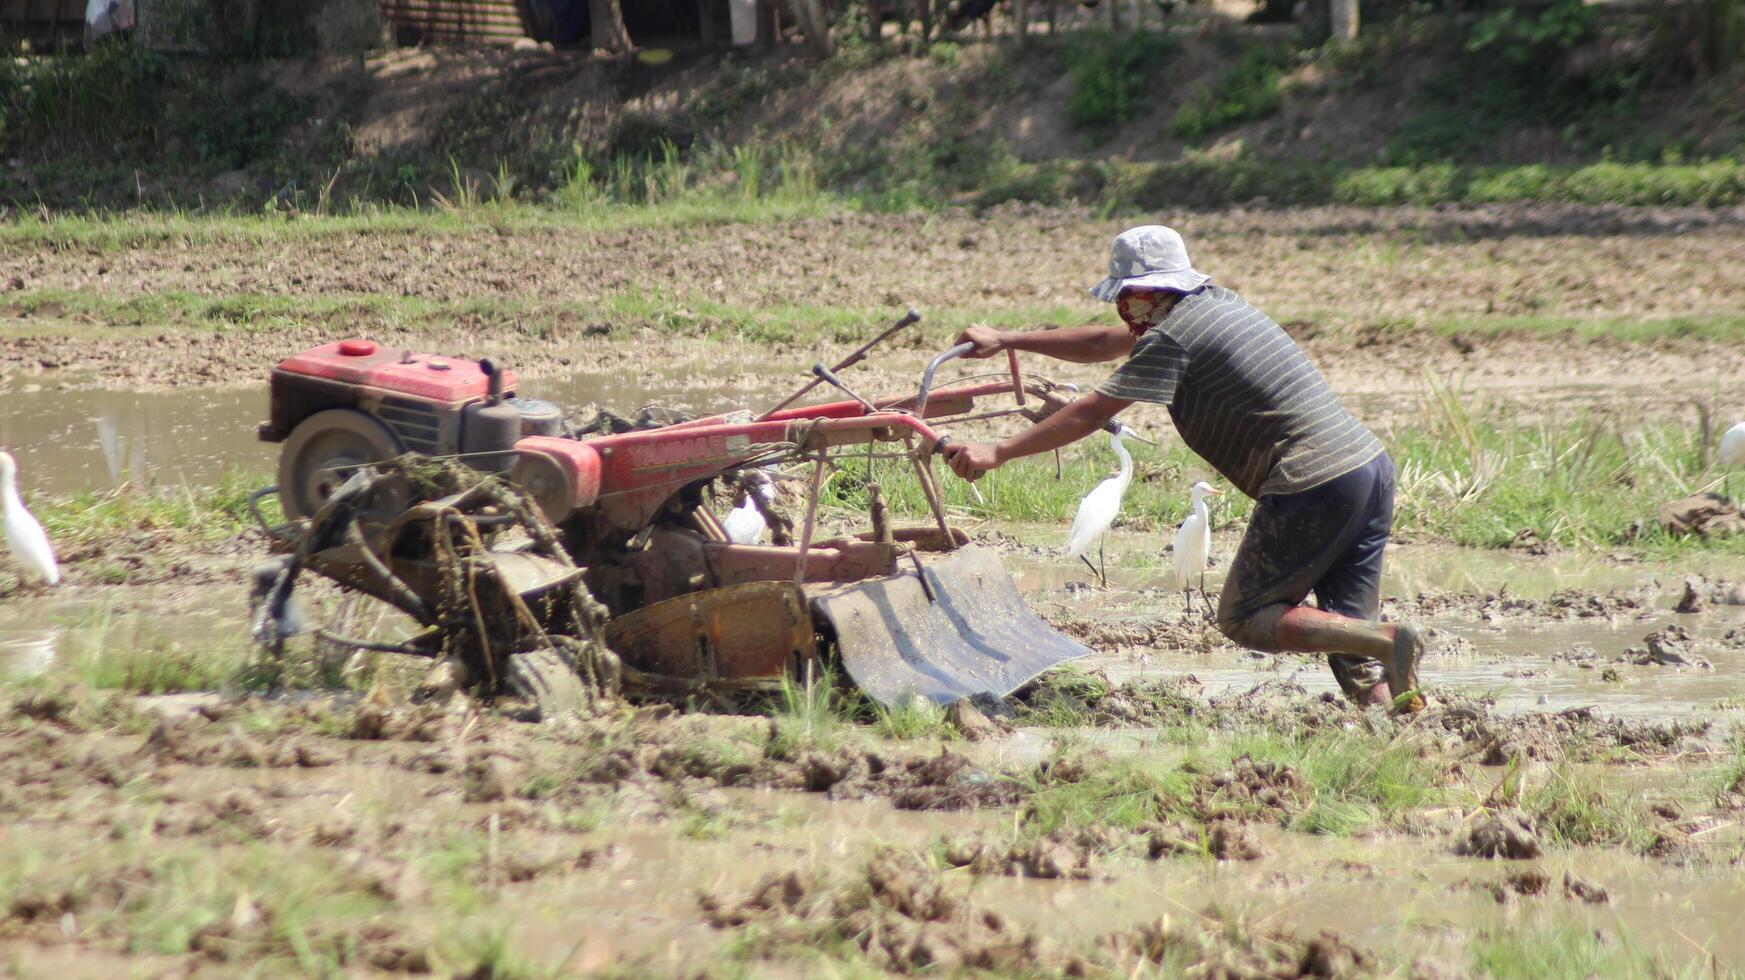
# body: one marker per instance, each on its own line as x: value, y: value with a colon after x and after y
x: 423, y: 402
x: 628, y: 477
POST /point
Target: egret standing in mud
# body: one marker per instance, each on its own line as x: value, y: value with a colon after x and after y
x: 1193, y: 544
x: 24, y: 536
x: 1097, y: 511
x: 1732, y: 452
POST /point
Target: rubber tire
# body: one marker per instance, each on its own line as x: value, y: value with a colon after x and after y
x: 337, y: 436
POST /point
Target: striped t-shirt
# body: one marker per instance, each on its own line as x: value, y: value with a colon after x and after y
x: 1244, y: 396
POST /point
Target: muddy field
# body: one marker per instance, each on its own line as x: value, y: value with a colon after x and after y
x: 542, y: 294
x: 1568, y: 806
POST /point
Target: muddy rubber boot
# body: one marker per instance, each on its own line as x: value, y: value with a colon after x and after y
x: 1402, y: 669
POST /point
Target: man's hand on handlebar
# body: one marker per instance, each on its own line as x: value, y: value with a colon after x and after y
x: 987, y: 341
x: 971, y: 459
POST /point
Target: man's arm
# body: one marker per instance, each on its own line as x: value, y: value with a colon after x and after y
x: 1081, y: 417
x: 1085, y: 345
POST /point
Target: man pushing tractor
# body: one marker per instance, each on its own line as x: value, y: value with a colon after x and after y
x: 1244, y: 397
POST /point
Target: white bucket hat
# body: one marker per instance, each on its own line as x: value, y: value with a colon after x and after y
x: 1149, y: 255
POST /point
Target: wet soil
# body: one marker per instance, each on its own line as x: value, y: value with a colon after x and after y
x: 1381, y: 270
x: 372, y: 835
x: 200, y: 834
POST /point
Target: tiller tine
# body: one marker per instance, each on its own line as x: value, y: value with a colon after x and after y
x: 973, y: 635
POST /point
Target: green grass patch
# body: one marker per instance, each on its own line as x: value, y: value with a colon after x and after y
x: 1247, y: 90
x: 1579, y: 807
x: 1111, y: 74
x: 1122, y: 794
x: 1355, y: 781
x: 216, y: 511
x: 911, y: 718
x: 1565, y: 950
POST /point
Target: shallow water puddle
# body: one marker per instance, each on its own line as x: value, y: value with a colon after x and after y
x: 70, y: 628
x: 1407, y: 896
x: 1528, y: 662
x: 76, y: 441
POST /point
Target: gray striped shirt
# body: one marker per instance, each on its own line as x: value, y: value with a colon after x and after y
x: 1244, y: 396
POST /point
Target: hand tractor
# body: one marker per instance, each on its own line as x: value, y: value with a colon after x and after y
x: 559, y: 562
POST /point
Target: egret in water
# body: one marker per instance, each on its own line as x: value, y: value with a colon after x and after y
x: 1193, y: 544
x: 24, y: 536
x: 745, y: 523
x: 1097, y: 511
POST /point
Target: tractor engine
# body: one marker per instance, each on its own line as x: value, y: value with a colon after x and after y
x: 350, y: 403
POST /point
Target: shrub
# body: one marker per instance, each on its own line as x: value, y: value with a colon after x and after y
x: 1249, y: 89
x: 1109, y: 75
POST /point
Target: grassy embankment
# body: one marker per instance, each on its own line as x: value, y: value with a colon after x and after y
x: 1224, y: 108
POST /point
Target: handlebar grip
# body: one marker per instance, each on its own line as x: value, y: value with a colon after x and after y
x: 927, y: 375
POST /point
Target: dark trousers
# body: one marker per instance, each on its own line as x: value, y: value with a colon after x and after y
x: 1327, y: 541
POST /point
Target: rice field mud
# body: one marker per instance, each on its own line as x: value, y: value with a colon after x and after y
x: 174, y: 802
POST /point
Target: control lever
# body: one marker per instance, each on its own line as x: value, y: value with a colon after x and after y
x: 829, y: 377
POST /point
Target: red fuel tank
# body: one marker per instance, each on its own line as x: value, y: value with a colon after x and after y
x: 363, y: 362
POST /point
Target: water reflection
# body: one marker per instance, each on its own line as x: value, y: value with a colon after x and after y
x: 27, y: 652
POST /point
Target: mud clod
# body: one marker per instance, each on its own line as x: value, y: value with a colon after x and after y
x: 974, y: 725
x: 1579, y: 889
x: 900, y: 914
x: 487, y: 780
x: 1501, y: 834
x: 948, y: 781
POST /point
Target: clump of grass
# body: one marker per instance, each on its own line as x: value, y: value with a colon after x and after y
x: 159, y: 669
x: 1248, y: 89
x: 808, y: 716
x: 1355, y: 780
x: 1471, y: 476
x: 911, y: 718
x: 1577, y: 807
x: 1564, y: 949
x: 1110, y: 74
x: 1122, y: 794
x: 219, y: 510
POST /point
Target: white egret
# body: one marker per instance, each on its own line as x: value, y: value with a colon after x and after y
x: 1097, y: 511
x: 1193, y: 543
x: 24, y: 536
x: 1732, y: 451
x: 745, y: 524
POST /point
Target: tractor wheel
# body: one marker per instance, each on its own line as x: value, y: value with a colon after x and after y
x: 322, y: 453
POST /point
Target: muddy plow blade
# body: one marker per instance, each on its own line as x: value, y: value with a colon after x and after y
x: 964, y: 632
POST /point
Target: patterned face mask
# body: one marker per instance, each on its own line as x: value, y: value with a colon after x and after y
x: 1142, y: 311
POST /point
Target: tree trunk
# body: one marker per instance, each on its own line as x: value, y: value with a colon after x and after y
x: 1345, y: 19
x: 607, y: 19
x: 874, y: 20
x: 926, y: 22
x: 1114, y: 14
x: 766, y: 23
x: 1020, y: 19
x: 815, y: 24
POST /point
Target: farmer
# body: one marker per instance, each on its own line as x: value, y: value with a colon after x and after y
x: 1245, y: 397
